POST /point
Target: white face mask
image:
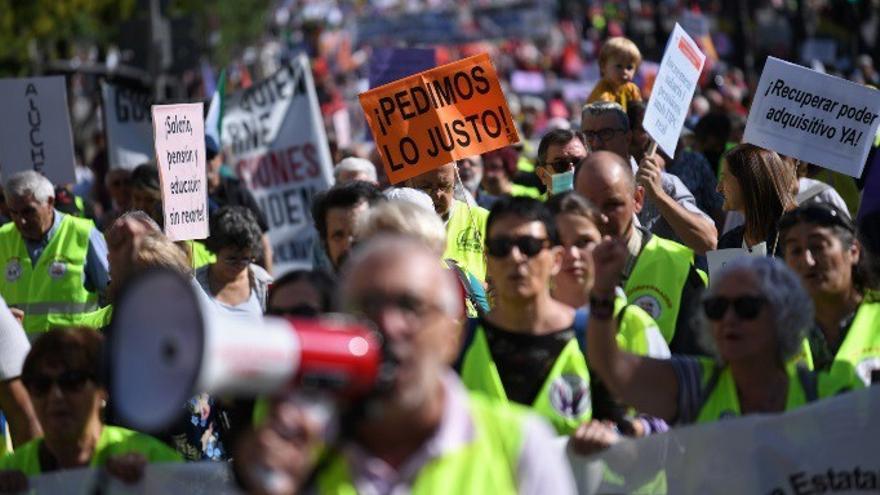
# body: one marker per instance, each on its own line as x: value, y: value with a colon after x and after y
x: 560, y: 183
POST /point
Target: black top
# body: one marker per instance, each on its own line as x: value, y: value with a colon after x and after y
x: 230, y: 192
x: 733, y: 238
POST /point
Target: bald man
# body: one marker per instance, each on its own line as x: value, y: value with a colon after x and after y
x: 660, y: 275
x: 465, y: 224
x: 425, y: 434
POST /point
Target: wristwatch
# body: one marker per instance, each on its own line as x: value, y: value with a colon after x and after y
x: 601, y: 307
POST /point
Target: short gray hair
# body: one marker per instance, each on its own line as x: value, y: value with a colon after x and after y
x: 29, y: 182
x: 402, y: 217
x: 602, y: 107
x: 790, y: 304
x: 355, y: 164
x: 385, y: 246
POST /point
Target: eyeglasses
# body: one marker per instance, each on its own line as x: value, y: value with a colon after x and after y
x: 238, y: 261
x: 502, y: 246
x: 69, y: 382
x: 410, y: 306
x: 565, y: 164
x: 745, y: 307
x: 602, y: 134
x: 821, y: 214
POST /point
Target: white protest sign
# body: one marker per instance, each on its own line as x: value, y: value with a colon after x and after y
x: 273, y: 134
x: 814, y: 117
x: 128, y: 126
x: 673, y: 90
x: 720, y: 257
x: 179, y: 135
x: 35, y: 128
x: 826, y: 447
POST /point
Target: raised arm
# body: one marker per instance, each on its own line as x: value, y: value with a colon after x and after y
x: 650, y: 385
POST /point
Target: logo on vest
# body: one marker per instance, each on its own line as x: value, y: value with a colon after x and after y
x: 57, y: 269
x: 570, y: 396
x: 867, y: 367
x: 468, y: 241
x: 650, y: 304
x: 13, y: 270
x: 728, y: 414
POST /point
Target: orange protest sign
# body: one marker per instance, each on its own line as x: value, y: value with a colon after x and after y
x: 429, y: 119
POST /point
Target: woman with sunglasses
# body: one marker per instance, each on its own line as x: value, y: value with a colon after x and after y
x: 61, y: 374
x: 819, y: 243
x: 759, y: 184
x: 756, y: 314
x: 234, y: 283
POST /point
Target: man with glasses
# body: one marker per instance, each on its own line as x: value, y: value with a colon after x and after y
x: 559, y: 153
x: 425, y: 433
x: 465, y: 224
x: 660, y: 275
x: 671, y: 210
x: 528, y: 348
x: 819, y: 243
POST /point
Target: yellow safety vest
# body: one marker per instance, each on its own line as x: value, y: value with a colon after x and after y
x: 859, y: 354
x: 657, y: 279
x: 51, y: 294
x: 113, y: 441
x: 488, y: 464
x: 466, y: 237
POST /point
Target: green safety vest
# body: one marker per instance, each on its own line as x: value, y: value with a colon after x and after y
x: 859, y: 354
x: 564, y: 399
x: 200, y: 254
x: 51, y: 294
x: 488, y: 464
x: 656, y: 281
x: 114, y: 441
x: 519, y: 190
x: 465, y: 237
x: 97, y: 319
x: 721, y: 400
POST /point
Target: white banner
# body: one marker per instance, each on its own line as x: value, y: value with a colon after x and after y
x: 179, y: 135
x: 208, y: 478
x: 827, y: 447
x: 35, y: 128
x: 274, y: 136
x: 814, y: 117
x: 127, y: 125
x: 673, y: 90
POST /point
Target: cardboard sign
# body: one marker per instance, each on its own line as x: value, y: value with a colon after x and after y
x: 673, y: 90
x: 128, y: 125
x: 179, y: 135
x: 814, y: 117
x: 35, y: 128
x: 430, y: 119
x: 274, y: 133
x: 719, y: 258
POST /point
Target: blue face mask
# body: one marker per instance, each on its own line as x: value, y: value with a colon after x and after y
x: 561, y: 183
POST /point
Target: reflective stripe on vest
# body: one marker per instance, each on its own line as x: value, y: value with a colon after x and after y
x: 52, y: 292
x: 487, y: 464
x: 859, y: 354
x: 465, y: 237
x: 657, y: 280
x: 564, y: 399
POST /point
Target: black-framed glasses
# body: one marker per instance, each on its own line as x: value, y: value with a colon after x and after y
x: 821, y: 214
x: 564, y: 164
x: 603, y: 134
x: 410, y: 306
x: 745, y: 307
x: 71, y: 381
x: 502, y: 246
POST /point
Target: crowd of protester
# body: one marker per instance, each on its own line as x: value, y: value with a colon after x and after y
x: 556, y: 288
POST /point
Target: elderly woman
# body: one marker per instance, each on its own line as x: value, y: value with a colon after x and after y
x: 61, y: 374
x: 759, y: 184
x: 234, y: 283
x: 756, y: 314
x: 819, y: 243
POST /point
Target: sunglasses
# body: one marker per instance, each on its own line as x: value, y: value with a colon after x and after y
x: 502, y: 246
x: 565, y: 164
x: 602, y: 134
x: 745, y: 307
x: 69, y: 382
